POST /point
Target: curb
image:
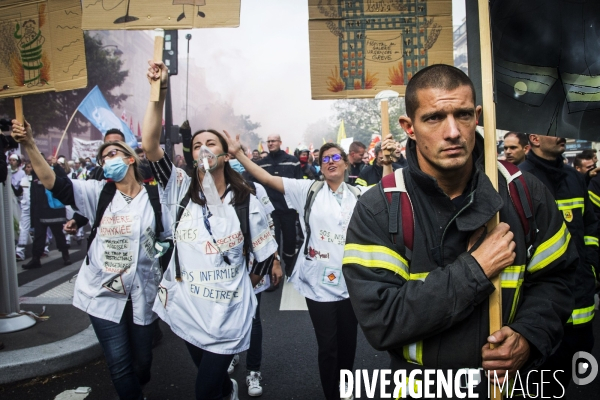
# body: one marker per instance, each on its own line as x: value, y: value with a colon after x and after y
x: 49, y: 358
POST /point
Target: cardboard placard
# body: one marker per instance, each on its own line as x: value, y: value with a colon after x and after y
x: 360, y: 47
x: 42, y: 47
x: 166, y: 14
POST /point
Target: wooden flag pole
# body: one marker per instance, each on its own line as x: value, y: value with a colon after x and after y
x: 385, y: 126
x: 65, y: 132
x: 491, y: 169
x: 159, y: 39
x: 19, y: 109
x: 383, y: 98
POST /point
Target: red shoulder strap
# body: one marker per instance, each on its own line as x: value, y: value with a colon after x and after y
x: 404, y: 205
x: 521, y: 198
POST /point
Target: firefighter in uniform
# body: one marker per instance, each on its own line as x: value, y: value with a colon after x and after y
x: 429, y: 307
x: 570, y: 191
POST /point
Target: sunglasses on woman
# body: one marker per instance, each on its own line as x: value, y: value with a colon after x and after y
x: 335, y: 157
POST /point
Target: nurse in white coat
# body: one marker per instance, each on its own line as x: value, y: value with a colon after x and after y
x: 318, y: 275
x: 118, y: 285
x: 206, y: 295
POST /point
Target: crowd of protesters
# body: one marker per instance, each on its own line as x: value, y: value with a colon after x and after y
x: 408, y: 261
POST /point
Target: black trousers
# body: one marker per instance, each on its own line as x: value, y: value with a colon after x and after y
x: 39, y: 239
x: 336, y: 328
x: 285, y: 234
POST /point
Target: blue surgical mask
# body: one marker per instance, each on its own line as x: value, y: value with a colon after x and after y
x: 237, y: 166
x: 115, y: 169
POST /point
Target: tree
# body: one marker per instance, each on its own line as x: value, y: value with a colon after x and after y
x: 54, y: 109
x: 362, y: 118
x: 319, y: 130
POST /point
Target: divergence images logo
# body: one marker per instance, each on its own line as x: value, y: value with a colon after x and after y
x: 581, y: 367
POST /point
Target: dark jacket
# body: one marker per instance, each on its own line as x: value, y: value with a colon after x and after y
x: 570, y: 191
x: 436, y: 302
x: 354, y: 171
x: 372, y: 174
x: 309, y: 172
x: 280, y: 163
x: 40, y: 209
x: 594, y: 193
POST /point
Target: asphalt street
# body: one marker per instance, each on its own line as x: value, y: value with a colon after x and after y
x: 289, y: 368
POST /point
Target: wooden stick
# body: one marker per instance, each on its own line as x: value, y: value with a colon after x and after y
x: 491, y: 169
x: 159, y: 39
x: 65, y: 132
x: 19, y: 109
x: 385, y: 126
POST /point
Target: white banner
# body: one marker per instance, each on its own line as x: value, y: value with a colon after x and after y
x: 85, y: 148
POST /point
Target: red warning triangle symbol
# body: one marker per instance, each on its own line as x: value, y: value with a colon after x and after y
x: 210, y: 249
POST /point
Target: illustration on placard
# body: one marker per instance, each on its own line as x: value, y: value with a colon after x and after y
x: 42, y: 47
x: 375, y: 44
x: 196, y: 3
x: 172, y: 14
x: 23, y: 49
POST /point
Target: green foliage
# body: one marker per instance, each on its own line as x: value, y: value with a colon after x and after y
x: 362, y: 118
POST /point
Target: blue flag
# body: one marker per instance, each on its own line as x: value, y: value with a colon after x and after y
x: 96, y: 109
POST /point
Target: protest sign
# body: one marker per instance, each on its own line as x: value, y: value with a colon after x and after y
x: 85, y: 148
x: 42, y: 47
x: 359, y: 48
x: 165, y: 14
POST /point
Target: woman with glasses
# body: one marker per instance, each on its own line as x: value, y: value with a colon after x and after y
x: 317, y: 274
x: 118, y: 282
x: 206, y: 293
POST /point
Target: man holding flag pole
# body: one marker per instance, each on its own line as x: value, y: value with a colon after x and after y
x: 427, y: 304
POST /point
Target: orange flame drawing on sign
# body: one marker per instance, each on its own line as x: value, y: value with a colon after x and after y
x: 335, y: 82
x: 371, y: 80
x: 396, y: 75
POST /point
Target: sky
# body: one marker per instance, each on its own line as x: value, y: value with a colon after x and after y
x: 262, y: 68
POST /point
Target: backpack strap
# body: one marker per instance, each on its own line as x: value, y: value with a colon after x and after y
x: 355, y: 191
x: 156, y: 207
x: 242, y: 211
x: 154, y: 198
x: 106, y: 195
x: 310, y: 199
x: 393, y: 187
x: 521, y: 199
x: 184, y: 202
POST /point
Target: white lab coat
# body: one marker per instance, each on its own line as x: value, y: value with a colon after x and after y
x: 122, y: 263
x: 318, y: 276
x: 25, y: 222
x: 212, y: 308
x: 263, y: 198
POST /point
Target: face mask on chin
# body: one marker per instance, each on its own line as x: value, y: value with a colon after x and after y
x: 115, y: 169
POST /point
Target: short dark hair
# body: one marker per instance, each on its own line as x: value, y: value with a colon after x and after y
x: 115, y: 131
x: 522, y: 137
x: 578, y: 161
x: 588, y: 154
x: 139, y: 150
x: 328, y: 146
x: 255, y: 150
x: 356, y: 146
x: 438, y: 76
x: 264, y: 152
